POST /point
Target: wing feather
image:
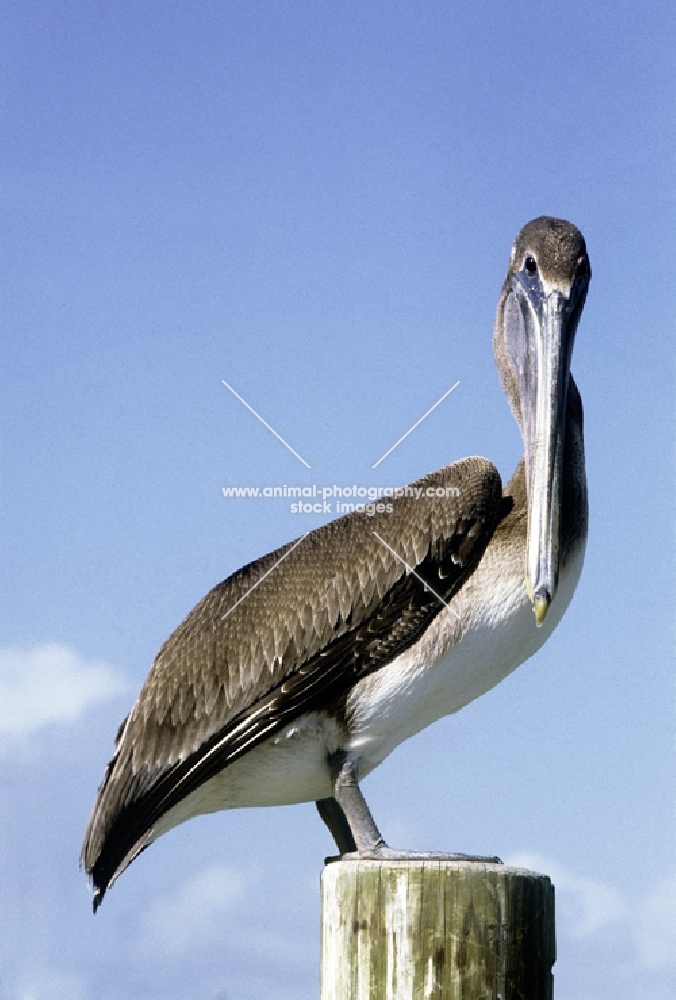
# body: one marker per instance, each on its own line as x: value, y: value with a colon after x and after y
x: 339, y: 605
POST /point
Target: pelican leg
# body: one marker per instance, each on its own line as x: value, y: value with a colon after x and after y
x: 335, y: 819
x: 346, y: 792
x: 350, y: 821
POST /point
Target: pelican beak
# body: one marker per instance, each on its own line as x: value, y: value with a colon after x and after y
x: 553, y: 349
x: 540, y: 320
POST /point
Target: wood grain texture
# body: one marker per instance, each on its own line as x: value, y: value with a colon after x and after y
x: 436, y: 930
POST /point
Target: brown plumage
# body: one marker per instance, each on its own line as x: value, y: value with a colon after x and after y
x: 299, y: 673
x: 231, y: 683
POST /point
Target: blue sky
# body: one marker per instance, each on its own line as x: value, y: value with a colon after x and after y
x: 315, y: 202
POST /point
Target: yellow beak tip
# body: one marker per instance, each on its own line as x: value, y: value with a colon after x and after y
x: 540, y: 609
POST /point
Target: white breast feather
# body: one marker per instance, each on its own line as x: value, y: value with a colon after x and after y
x: 487, y: 631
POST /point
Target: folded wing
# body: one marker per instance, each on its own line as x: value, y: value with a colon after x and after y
x: 282, y: 636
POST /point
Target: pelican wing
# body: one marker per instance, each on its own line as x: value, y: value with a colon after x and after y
x: 280, y: 637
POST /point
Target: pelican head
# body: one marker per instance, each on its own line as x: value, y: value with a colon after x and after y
x: 539, y: 309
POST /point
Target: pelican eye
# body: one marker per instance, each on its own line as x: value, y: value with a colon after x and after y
x: 582, y: 268
x: 530, y: 264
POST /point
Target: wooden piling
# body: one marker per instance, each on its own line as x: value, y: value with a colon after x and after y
x: 435, y: 930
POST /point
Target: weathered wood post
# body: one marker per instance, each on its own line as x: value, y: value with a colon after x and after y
x: 435, y: 930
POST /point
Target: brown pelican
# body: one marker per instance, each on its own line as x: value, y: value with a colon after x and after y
x: 301, y: 672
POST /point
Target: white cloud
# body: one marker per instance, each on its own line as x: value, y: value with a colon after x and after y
x: 51, y: 985
x: 586, y: 906
x: 192, y: 915
x: 655, y: 927
x: 49, y: 684
x: 224, y: 906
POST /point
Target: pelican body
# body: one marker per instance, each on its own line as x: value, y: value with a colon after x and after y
x: 295, y: 677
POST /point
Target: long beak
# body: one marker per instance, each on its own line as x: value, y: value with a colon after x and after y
x: 540, y: 329
x: 544, y: 452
